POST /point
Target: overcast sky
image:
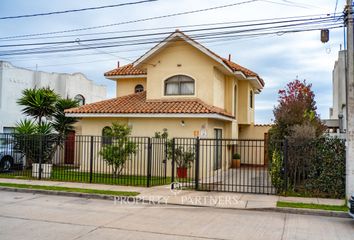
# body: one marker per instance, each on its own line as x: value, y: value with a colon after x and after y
x: 277, y: 59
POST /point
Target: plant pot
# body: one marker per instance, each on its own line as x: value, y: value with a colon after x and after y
x: 182, y: 172
x: 236, y: 163
x: 46, y: 170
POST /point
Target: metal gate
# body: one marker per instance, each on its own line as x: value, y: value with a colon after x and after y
x: 229, y: 165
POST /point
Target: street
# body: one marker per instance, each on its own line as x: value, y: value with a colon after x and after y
x: 36, y: 216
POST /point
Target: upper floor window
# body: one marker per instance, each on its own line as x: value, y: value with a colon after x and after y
x: 139, y: 88
x: 251, y: 99
x: 179, y: 85
x: 80, y: 99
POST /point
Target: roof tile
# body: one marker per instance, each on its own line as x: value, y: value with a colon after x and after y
x: 137, y: 103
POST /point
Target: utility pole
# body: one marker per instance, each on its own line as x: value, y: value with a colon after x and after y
x: 350, y: 101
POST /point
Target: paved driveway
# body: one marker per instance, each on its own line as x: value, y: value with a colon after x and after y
x: 29, y: 216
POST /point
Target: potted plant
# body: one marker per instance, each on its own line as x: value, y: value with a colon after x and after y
x: 236, y: 160
x: 184, y: 159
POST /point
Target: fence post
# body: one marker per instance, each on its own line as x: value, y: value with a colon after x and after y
x: 91, y: 158
x: 197, y: 150
x: 40, y: 156
x: 149, y: 159
x: 173, y: 163
x: 285, y: 164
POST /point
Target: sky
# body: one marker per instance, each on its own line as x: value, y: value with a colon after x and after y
x: 277, y: 59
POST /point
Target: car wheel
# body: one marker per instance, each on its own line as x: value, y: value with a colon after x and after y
x: 6, y: 164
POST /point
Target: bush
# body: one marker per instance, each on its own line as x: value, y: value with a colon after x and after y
x: 326, y: 176
x: 276, y: 170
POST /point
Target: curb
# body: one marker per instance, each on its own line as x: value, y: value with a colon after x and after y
x: 313, y: 212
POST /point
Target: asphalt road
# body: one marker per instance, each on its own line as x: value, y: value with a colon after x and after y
x: 29, y: 216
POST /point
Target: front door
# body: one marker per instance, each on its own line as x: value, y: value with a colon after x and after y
x: 70, y: 148
x: 217, y: 148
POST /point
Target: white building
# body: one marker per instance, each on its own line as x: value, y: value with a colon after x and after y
x: 14, y: 79
x: 337, y: 113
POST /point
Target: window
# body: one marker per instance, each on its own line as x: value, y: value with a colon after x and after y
x: 179, y: 85
x: 80, y: 99
x: 139, y: 88
x: 251, y: 99
x: 106, y: 136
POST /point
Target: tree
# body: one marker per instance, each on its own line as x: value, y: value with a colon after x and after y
x: 38, y: 103
x: 62, y: 124
x: 49, y: 134
x: 297, y: 106
x: 120, y: 149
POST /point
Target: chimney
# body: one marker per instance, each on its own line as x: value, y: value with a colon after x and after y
x: 118, y: 64
x: 229, y: 57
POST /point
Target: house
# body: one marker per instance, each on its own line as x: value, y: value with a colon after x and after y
x: 181, y: 86
x: 13, y: 80
x: 336, y: 123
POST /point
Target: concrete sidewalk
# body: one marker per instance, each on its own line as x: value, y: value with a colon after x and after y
x: 163, y: 195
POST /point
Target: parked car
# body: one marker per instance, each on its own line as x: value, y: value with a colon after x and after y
x: 351, y: 206
x: 9, y: 156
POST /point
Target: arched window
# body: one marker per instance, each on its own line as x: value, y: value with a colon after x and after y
x: 106, y: 135
x: 235, y: 101
x: 179, y: 85
x: 80, y: 99
x: 139, y: 88
x: 251, y: 99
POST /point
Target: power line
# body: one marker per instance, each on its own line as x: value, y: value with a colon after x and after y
x: 171, y: 27
x: 75, y: 10
x: 204, y: 36
x: 133, y: 21
x: 305, y: 21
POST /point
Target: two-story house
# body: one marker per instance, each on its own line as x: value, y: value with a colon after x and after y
x: 182, y: 86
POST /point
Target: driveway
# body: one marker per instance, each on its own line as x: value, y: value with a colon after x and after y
x: 29, y: 216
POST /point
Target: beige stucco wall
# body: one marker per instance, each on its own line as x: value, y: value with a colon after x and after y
x: 182, y: 58
x: 253, y: 131
x: 126, y: 86
x: 245, y: 112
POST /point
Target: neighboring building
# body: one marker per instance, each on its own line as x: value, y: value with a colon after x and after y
x: 337, y: 113
x: 13, y: 80
x: 182, y: 86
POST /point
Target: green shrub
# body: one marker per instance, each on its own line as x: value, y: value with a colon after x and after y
x: 276, y: 170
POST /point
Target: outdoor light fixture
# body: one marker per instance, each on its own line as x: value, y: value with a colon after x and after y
x: 183, y: 123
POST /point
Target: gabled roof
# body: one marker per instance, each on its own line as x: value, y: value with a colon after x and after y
x: 134, y: 68
x: 137, y: 104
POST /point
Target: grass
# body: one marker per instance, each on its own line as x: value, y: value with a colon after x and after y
x: 67, y: 189
x: 69, y: 174
x: 342, y: 208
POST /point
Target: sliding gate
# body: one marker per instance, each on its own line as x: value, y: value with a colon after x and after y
x: 229, y: 165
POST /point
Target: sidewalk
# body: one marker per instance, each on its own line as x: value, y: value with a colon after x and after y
x: 163, y: 195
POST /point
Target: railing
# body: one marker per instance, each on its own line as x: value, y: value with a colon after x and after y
x: 134, y: 161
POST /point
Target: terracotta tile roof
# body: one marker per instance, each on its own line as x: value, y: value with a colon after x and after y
x: 125, y: 70
x: 137, y: 103
x: 130, y: 70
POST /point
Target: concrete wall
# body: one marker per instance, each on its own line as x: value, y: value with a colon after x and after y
x: 14, y: 80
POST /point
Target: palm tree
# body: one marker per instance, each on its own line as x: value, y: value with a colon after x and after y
x: 38, y: 103
x: 62, y: 124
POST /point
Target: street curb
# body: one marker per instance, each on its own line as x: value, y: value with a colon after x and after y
x: 313, y: 212
x: 59, y: 193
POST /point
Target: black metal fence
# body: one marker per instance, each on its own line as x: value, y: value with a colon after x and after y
x: 134, y: 161
x: 229, y: 165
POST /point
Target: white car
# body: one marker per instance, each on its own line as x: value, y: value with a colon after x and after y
x: 351, y: 206
x: 9, y: 157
